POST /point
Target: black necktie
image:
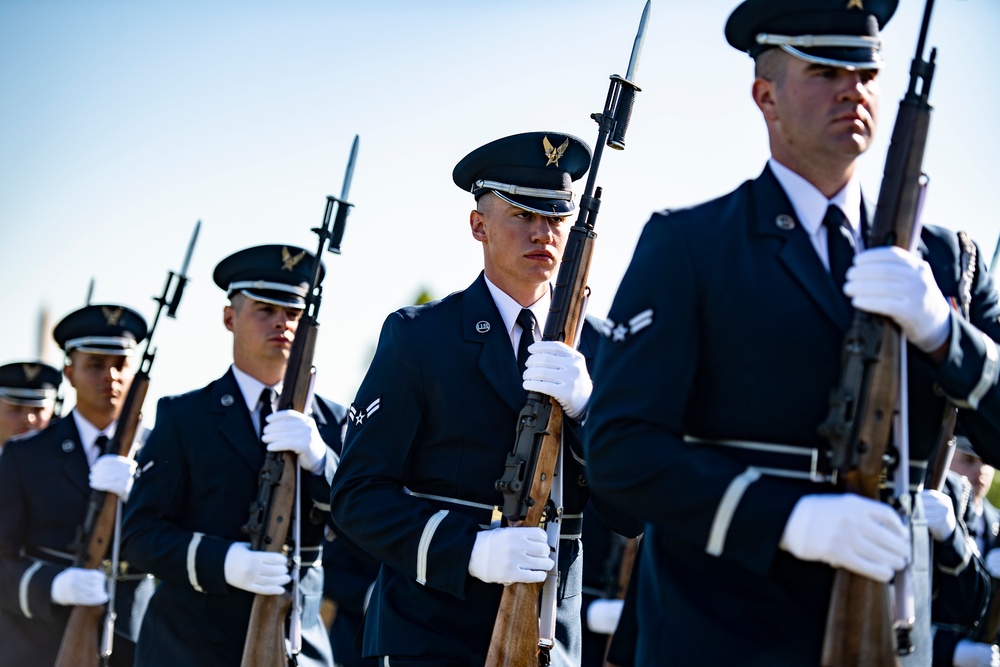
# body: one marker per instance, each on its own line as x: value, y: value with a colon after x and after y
x: 100, y: 444
x: 267, y: 398
x: 840, y: 246
x: 527, y: 322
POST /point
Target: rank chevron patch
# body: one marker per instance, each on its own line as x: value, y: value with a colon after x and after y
x: 359, y: 416
x: 618, y: 332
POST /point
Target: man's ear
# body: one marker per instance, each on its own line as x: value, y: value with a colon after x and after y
x: 228, y: 314
x: 68, y: 371
x: 477, y: 223
x: 763, y: 93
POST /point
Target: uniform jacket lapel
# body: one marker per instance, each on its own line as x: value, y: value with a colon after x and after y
x: 773, y: 212
x: 233, y: 418
x: 496, y: 359
x: 72, y: 459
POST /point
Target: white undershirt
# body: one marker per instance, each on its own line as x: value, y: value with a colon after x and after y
x: 250, y: 388
x: 510, y: 309
x: 89, y: 434
x: 810, y: 207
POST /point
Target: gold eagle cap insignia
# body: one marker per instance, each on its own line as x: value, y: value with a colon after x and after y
x: 112, y: 315
x: 855, y: 4
x: 552, y: 153
x: 288, y: 261
x: 31, y: 371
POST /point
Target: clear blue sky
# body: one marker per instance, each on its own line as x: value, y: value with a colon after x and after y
x: 125, y: 122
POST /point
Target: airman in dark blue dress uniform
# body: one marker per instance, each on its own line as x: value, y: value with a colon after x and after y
x: 199, y: 474
x: 27, y: 397
x: 435, y: 417
x: 959, y: 615
x: 724, y: 342
x: 46, y: 480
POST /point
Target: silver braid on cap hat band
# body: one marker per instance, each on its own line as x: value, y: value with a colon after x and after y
x: 35, y: 394
x: 817, y: 41
x: 101, y: 344
x: 519, y: 190
x: 850, y: 66
x: 274, y: 302
x: 267, y: 285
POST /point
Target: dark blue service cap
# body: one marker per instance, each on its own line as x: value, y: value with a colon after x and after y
x: 29, y: 383
x: 533, y: 170
x: 276, y: 274
x: 101, y: 329
x: 962, y: 442
x: 838, y: 33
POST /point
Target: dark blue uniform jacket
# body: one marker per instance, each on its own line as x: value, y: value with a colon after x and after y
x: 198, y: 478
x: 44, y: 490
x: 727, y: 326
x: 436, y: 415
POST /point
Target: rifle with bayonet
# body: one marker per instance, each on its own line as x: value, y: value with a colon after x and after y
x: 275, y: 509
x: 528, y: 474
x: 863, y: 628
x: 85, y: 642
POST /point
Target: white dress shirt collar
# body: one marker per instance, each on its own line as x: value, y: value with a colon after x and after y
x: 810, y: 204
x: 251, y: 388
x: 510, y: 309
x: 89, y: 434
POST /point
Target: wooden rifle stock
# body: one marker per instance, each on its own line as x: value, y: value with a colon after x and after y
x: 527, y: 479
x: 79, y: 645
x: 271, y: 516
x: 990, y: 627
x: 860, y: 623
x: 624, y: 576
x: 271, y: 513
x: 945, y: 450
x: 80, y: 640
x: 515, y: 641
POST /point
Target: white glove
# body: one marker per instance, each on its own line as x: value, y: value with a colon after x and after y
x: 940, y: 514
x: 557, y: 370
x: 975, y: 654
x: 292, y: 431
x: 511, y: 555
x: 77, y: 586
x: 114, y: 474
x: 603, y: 616
x: 260, y: 572
x: 993, y: 563
x: 893, y: 282
x: 849, y: 532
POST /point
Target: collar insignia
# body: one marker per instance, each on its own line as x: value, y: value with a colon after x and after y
x: 112, y: 315
x: 482, y: 326
x: 31, y: 371
x: 359, y: 415
x: 854, y: 4
x: 785, y: 222
x: 618, y: 332
x: 552, y: 153
x: 288, y: 262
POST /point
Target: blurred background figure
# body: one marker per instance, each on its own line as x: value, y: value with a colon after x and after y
x: 27, y: 397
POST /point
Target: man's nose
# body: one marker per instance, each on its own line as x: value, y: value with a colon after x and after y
x: 542, y: 230
x: 854, y: 87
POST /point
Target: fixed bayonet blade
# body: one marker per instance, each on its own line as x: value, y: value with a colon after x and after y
x: 350, y: 170
x: 633, y: 62
x: 190, y: 250
x: 996, y: 258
